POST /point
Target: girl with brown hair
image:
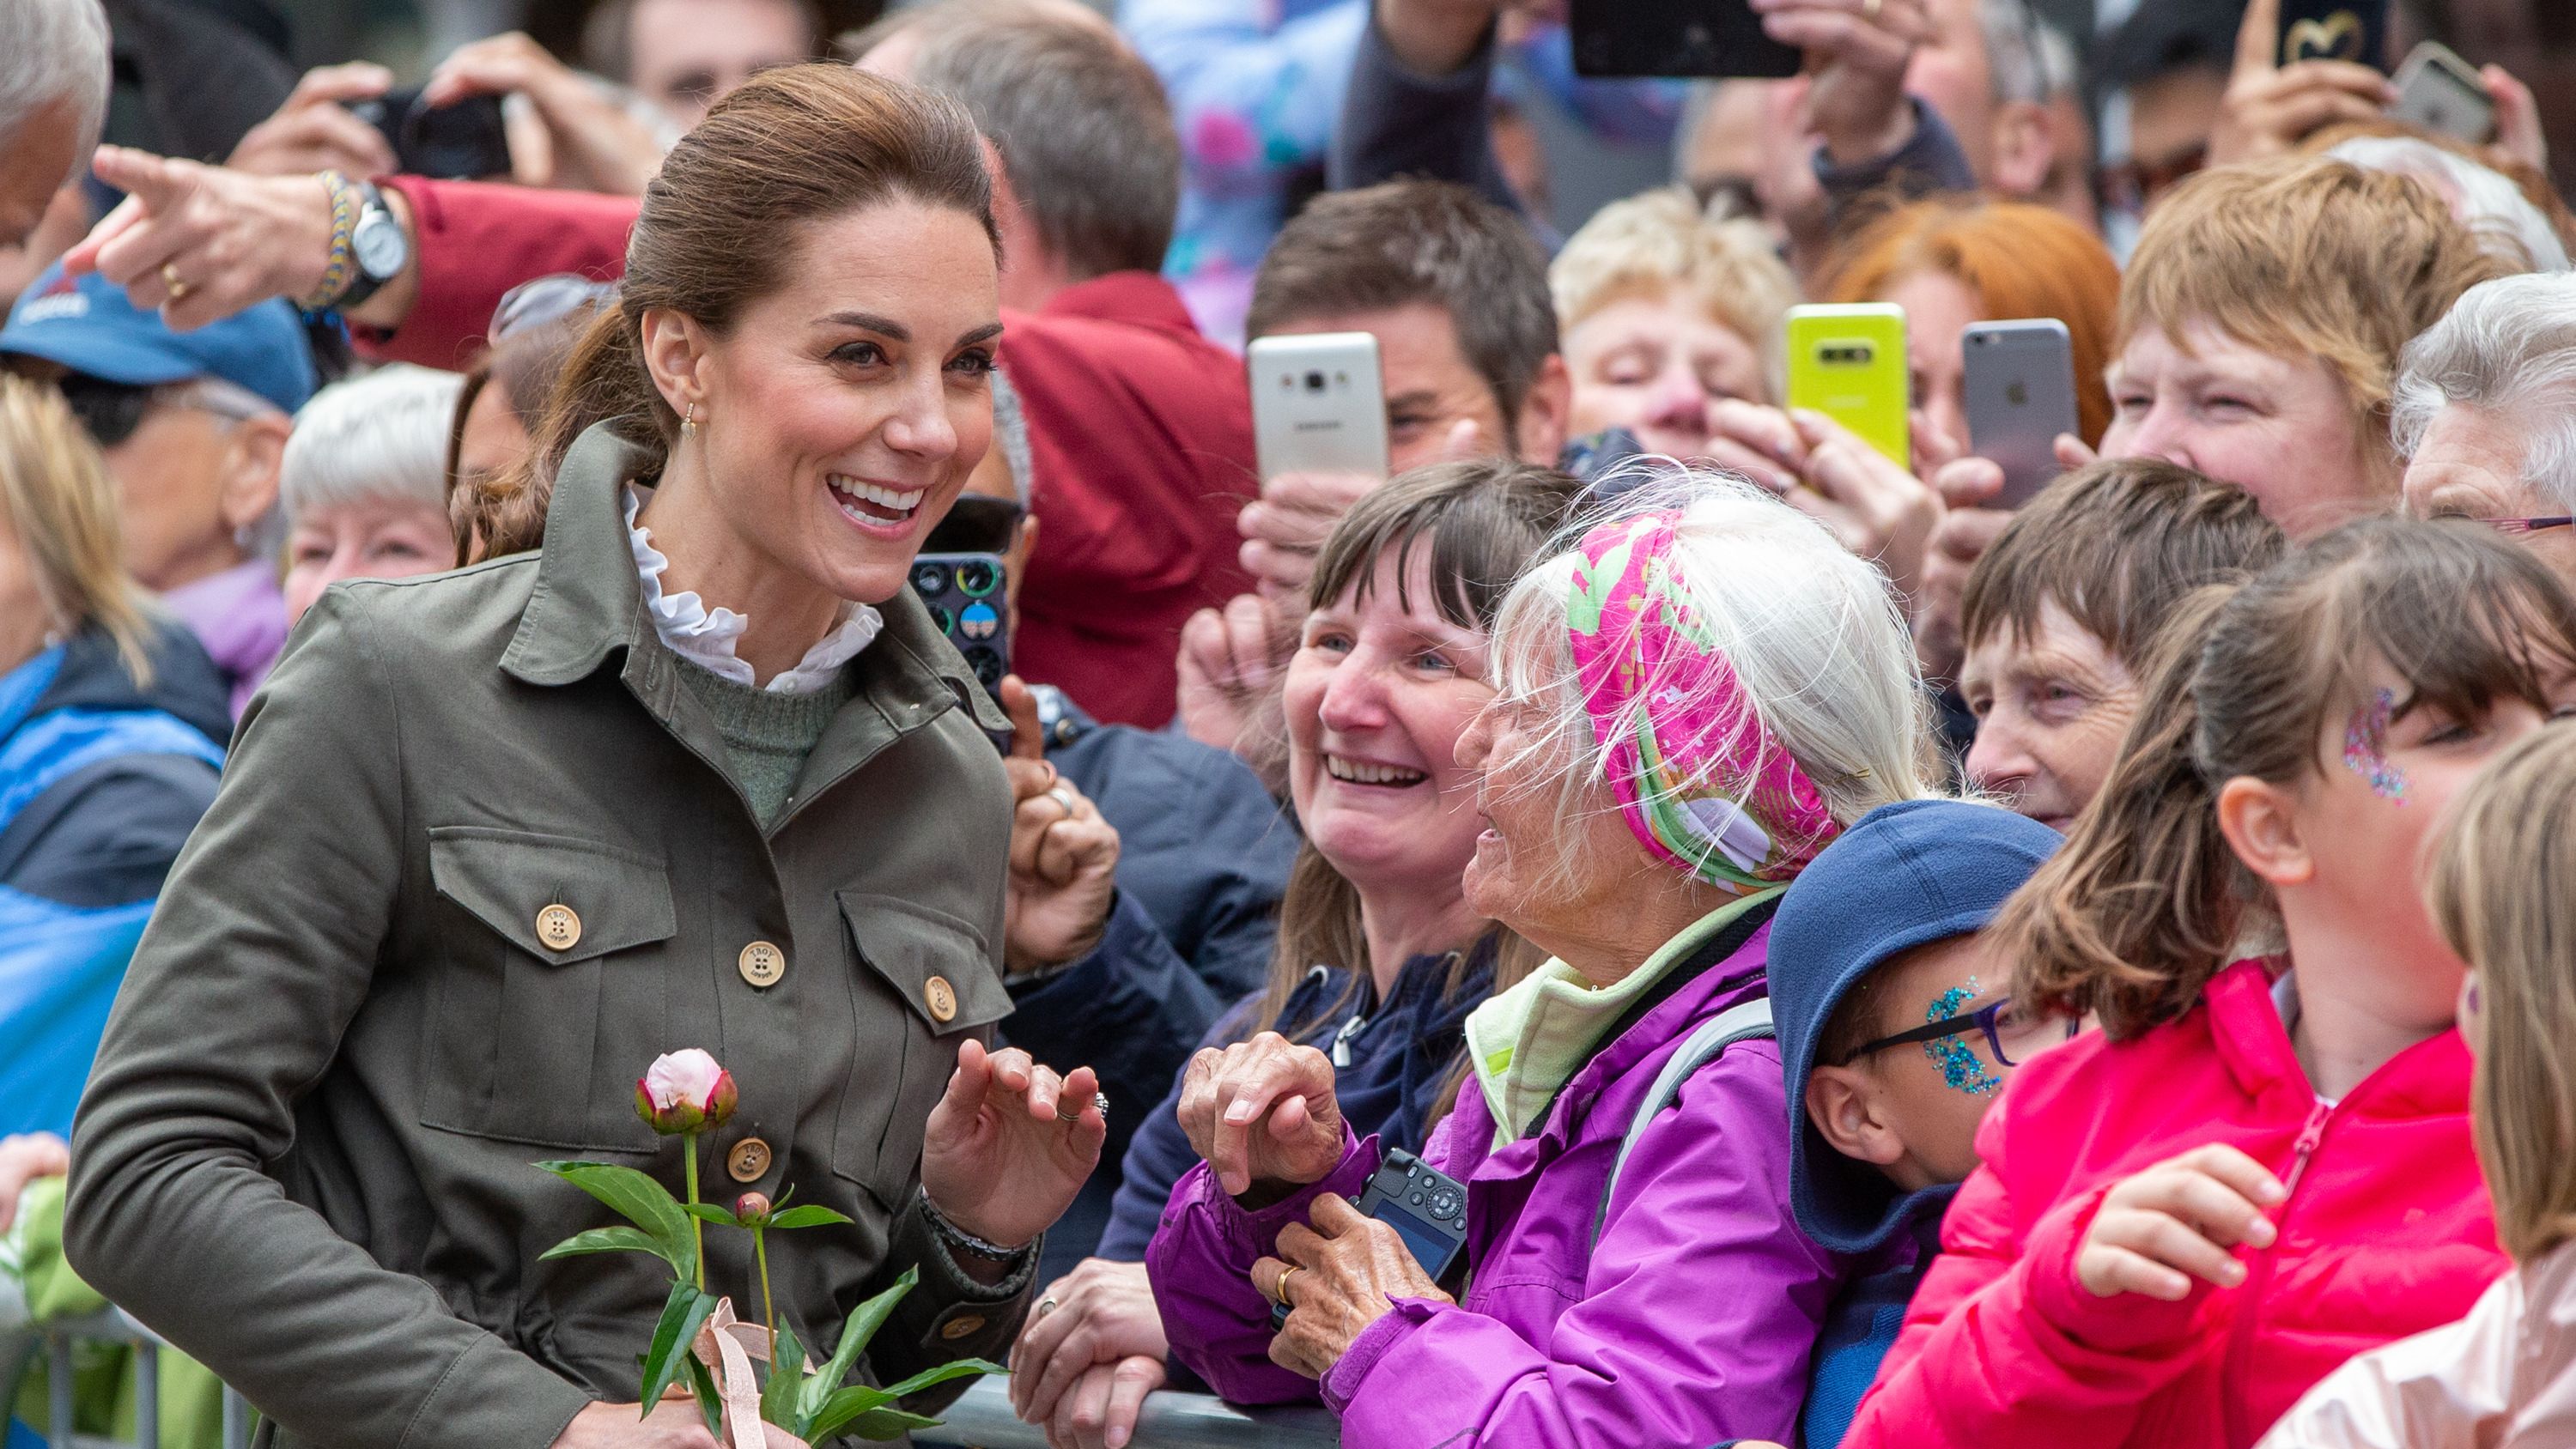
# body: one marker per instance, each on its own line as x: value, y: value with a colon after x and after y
x: 2262, y: 1163
x: 1380, y: 957
x: 2504, y: 1376
x: 700, y: 771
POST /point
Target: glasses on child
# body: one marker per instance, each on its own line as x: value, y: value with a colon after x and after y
x: 2013, y: 1038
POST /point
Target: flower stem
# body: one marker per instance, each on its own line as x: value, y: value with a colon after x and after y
x: 697, y: 1225
x: 760, y: 1250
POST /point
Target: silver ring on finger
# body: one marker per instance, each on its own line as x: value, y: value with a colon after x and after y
x: 1045, y: 1307
x: 1869, y: 10
x: 1064, y: 797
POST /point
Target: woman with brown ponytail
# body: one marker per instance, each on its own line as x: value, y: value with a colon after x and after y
x: 2262, y: 1164
x: 699, y: 773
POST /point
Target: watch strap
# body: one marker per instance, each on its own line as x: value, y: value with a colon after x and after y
x: 361, y: 283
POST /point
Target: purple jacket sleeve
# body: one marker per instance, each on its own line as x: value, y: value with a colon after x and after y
x: 1698, y: 1308
x: 1200, y: 1263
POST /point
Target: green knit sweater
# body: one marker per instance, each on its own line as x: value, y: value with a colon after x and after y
x: 767, y: 736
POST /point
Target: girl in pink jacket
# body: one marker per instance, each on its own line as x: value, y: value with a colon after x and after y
x: 2258, y: 1167
x: 2505, y: 1376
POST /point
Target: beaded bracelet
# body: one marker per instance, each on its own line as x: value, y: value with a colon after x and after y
x: 958, y: 1238
x: 344, y: 227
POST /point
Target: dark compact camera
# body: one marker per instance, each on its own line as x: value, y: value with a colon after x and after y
x: 1675, y: 38
x: 965, y: 597
x: 462, y: 142
x: 1426, y: 1207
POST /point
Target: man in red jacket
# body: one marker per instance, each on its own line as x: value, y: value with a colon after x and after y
x: 1141, y: 428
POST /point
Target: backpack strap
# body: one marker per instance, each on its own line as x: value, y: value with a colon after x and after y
x: 1745, y: 1021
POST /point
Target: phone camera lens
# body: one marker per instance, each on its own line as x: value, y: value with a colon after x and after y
x: 976, y: 578
x: 1314, y: 382
x: 929, y: 579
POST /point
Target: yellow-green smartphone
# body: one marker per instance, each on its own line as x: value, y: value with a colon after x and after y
x: 1848, y: 362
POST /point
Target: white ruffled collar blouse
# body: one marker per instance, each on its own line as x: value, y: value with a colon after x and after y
x: 707, y: 637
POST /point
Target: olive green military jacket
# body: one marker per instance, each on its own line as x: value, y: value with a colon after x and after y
x: 359, y: 1015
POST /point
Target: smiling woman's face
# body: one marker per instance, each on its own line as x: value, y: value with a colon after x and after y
x: 843, y: 411
x: 1376, y: 696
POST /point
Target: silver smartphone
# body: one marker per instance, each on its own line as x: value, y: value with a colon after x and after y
x: 2441, y: 92
x: 1318, y: 405
x: 2020, y: 394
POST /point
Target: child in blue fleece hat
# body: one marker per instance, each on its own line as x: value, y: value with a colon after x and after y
x: 1897, y: 1033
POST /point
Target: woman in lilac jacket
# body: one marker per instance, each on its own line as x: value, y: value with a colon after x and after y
x: 1696, y: 695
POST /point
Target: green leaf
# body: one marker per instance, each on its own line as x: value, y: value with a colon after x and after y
x: 614, y: 1240
x: 782, y: 1399
x: 864, y: 1322
x: 883, y: 1424
x: 709, y: 1212
x: 641, y: 1201
x: 841, y: 1408
x: 710, y: 1402
x: 931, y: 1378
x: 812, y: 1215
x: 682, y: 1317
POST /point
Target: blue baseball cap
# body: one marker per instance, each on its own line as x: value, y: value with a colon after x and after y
x: 85, y: 323
x: 1903, y: 876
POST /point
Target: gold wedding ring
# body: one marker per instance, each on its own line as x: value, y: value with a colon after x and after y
x: 1281, y: 1287
x: 170, y: 280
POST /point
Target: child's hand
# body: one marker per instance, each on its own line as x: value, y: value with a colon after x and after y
x: 2185, y: 1215
x: 23, y: 1159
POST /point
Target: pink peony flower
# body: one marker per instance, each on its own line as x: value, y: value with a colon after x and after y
x: 684, y: 1091
x: 751, y: 1209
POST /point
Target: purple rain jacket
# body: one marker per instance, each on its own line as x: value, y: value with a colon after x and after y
x: 1689, y: 1323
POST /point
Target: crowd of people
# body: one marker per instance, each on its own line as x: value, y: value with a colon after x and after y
x: 1841, y: 952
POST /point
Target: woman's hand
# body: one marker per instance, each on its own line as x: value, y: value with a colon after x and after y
x: 231, y: 238
x: 1879, y: 510
x: 1230, y: 660
x: 1092, y: 1319
x: 1263, y: 1115
x: 1286, y: 527
x: 673, y: 1424
x: 1339, y: 1276
x: 589, y: 142
x: 1064, y: 857
x: 313, y: 129
x: 2518, y: 132
x: 2180, y: 1219
x: 2268, y: 107
x: 1101, y: 1409
x: 998, y: 1161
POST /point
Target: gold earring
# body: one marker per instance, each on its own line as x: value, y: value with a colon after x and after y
x: 689, y: 424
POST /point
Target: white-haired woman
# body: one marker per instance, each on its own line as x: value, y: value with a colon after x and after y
x: 1664, y: 313
x: 1696, y: 694
x: 364, y: 482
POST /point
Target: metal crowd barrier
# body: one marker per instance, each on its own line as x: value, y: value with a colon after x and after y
x: 54, y: 1340
x: 983, y: 1420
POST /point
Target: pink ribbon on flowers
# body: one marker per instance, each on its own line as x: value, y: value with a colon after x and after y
x: 1703, y: 783
x: 726, y: 1345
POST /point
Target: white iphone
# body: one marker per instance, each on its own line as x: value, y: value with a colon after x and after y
x: 1317, y: 404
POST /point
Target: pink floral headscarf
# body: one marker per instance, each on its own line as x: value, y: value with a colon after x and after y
x: 1702, y: 782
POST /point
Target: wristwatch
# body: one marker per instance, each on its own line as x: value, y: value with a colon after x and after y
x: 377, y: 246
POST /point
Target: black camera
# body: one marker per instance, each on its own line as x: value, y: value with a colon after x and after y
x: 1426, y: 1207
x: 461, y: 142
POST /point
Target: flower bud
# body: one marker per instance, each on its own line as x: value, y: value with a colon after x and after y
x: 684, y: 1091
x: 751, y: 1209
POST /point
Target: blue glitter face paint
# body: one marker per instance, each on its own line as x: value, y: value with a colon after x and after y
x: 2365, y: 748
x: 1961, y: 1068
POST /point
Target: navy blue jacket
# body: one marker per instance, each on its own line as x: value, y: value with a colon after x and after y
x: 1391, y: 1061
x: 1203, y: 858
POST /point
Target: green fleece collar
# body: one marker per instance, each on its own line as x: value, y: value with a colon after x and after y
x: 1524, y: 1043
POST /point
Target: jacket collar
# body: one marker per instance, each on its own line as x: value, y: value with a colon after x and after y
x: 2430, y: 1078
x: 1141, y: 298
x: 589, y: 602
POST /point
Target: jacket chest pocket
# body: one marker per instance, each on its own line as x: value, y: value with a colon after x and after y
x: 940, y: 975
x: 549, y: 999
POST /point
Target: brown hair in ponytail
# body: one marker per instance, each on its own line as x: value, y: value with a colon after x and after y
x: 2146, y: 903
x: 720, y: 227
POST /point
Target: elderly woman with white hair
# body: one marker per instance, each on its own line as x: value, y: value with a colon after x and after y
x: 2484, y: 414
x: 364, y: 482
x: 1696, y: 693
